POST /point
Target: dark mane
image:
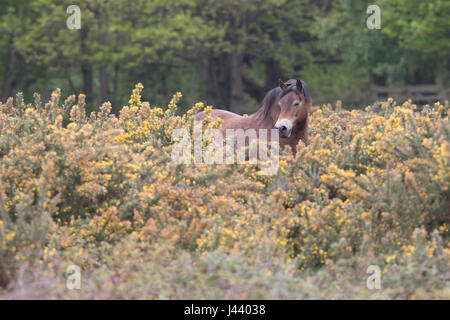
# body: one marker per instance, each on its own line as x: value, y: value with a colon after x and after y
x: 277, y: 93
x: 269, y: 101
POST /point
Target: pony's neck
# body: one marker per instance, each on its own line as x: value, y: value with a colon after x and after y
x: 300, y: 131
x: 262, y: 121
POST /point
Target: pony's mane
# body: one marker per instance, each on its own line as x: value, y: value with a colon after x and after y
x: 277, y: 93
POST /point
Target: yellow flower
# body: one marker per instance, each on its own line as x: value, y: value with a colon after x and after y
x: 10, y: 236
x: 390, y: 258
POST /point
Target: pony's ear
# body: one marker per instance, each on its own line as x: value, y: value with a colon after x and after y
x: 299, y: 85
x: 282, y: 84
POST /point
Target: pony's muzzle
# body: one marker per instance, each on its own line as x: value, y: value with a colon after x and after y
x: 284, y: 127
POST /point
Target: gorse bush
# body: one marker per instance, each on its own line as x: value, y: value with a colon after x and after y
x: 372, y: 187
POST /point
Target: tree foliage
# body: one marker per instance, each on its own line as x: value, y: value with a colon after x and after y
x: 228, y: 53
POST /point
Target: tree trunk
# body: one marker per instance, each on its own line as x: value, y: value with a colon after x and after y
x: 236, y: 85
x: 442, y: 79
x: 86, y: 67
x: 8, y: 76
x: 115, y: 101
x: 18, y: 78
x: 217, y: 77
x: 209, y: 82
x: 104, y: 88
x: 86, y: 70
x: 193, y: 94
x: 273, y: 73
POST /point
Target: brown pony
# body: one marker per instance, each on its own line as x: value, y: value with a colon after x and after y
x: 284, y: 108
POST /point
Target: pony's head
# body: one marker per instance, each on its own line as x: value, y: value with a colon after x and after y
x: 294, y: 102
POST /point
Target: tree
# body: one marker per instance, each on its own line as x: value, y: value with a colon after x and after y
x: 14, y: 20
x: 261, y: 42
x: 423, y: 26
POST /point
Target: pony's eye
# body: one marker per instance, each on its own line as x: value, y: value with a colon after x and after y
x: 297, y: 104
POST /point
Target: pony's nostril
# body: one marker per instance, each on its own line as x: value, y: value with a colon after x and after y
x: 283, y: 128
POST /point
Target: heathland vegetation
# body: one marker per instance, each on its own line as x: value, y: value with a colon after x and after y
x: 87, y: 178
x: 101, y: 191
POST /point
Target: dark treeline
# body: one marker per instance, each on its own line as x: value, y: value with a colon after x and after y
x: 226, y: 53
